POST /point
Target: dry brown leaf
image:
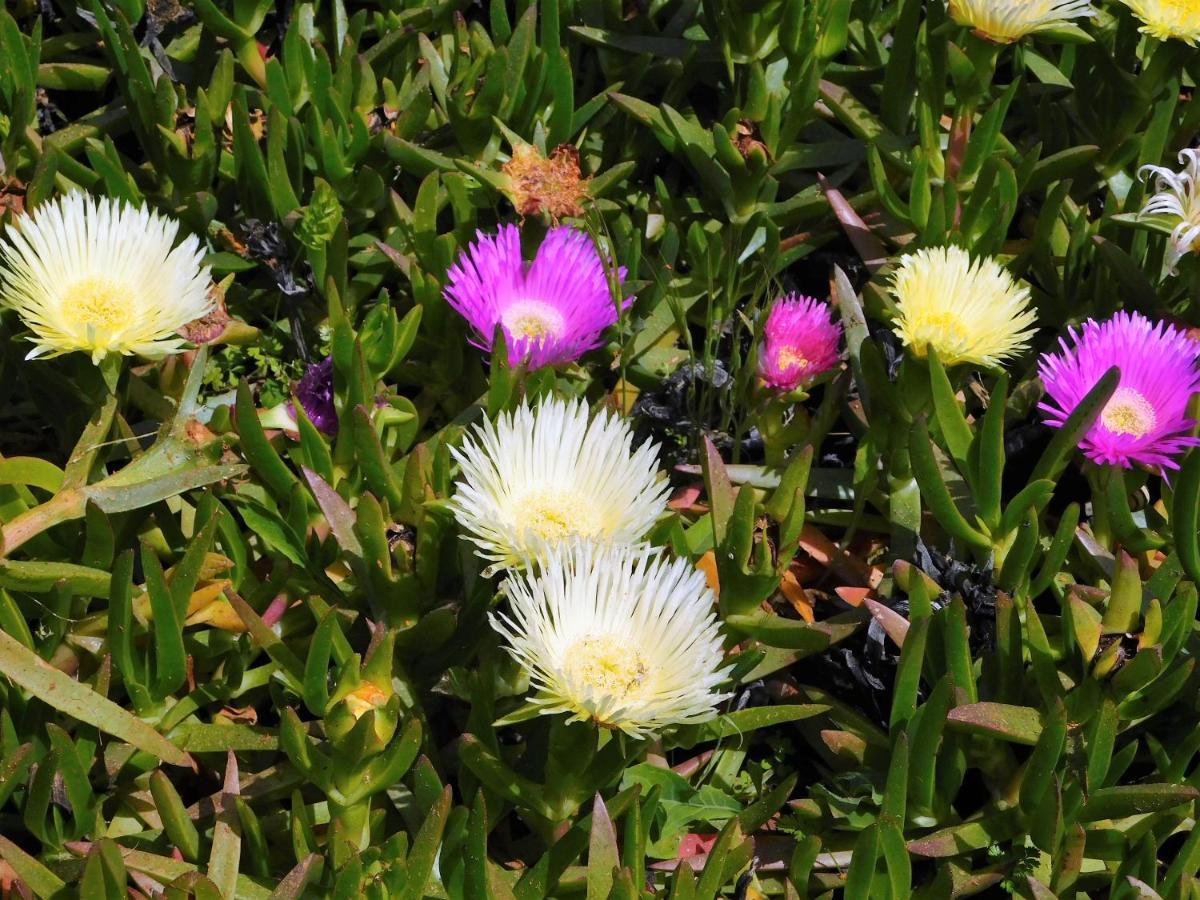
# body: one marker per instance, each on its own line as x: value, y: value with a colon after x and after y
x: 708, y: 565
x: 797, y: 596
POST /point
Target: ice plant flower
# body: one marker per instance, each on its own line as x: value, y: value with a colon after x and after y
x: 1145, y: 421
x: 968, y: 311
x: 314, y: 390
x: 315, y: 393
x: 1166, y: 19
x: 620, y: 636
x: 1005, y: 21
x: 552, y: 310
x: 1177, y: 199
x: 538, y: 477
x: 799, y: 342
x: 101, y: 276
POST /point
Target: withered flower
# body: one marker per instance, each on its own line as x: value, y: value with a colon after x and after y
x: 546, y: 184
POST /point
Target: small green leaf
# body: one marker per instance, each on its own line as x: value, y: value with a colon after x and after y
x: 908, y: 674
x: 934, y: 490
x: 180, y: 830
x: 1043, y: 762
x: 1135, y: 799
x: 602, y: 852
x: 425, y: 846
x: 1054, y: 457
x: 955, y: 430
x: 1018, y: 724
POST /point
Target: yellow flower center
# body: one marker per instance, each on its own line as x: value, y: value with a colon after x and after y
x: 945, y: 329
x: 1181, y: 9
x: 531, y: 327
x: 790, y: 358
x: 608, y: 665
x: 532, y: 320
x: 557, y: 515
x: 1128, y: 412
x: 97, y: 302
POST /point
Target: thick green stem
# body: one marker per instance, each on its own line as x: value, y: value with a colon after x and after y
x: 1101, y: 521
x: 915, y: 391
x: 110, y: 368
x: 779, y: 439
x: 350, y: 830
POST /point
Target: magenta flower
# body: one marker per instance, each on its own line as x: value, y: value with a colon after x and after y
x: 799, y: 342
x: 1145, y: 421
x: 553, y: 309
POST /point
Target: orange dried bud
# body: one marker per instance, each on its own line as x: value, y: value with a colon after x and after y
x: 553, y: 185
x: 791, y: 588
x: 708, y: 565
x: 12, y: 196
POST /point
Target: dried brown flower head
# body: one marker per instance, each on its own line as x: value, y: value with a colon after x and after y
x: 546, y: 184
x: 209, y: 327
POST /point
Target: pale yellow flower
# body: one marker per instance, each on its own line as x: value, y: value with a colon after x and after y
x: 1166, y: 19
x: 100, y: 276
x: 620, y: 636
x: 1005, y: 21
x: 968, y: 311
x: 538, y: 477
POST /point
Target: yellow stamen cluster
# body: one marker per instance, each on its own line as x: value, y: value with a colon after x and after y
x: 532, y: 320
x: 611, y: 666
x: 1128, y: 412
x: 790, y: 358
x: 557, y: 515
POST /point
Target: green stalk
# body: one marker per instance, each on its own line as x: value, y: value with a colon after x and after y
x: 915, y: 390
x: 1101, y: 520
x: 350, y: 829
x: 779, y: 438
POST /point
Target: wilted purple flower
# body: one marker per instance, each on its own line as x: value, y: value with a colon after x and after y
x: 1145, y: 421
x: 799, y: 342
x: 553, y: 309
x: 315, y: 393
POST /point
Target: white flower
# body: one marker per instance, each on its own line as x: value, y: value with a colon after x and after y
x: 536, y: 478
x: 1178, y: 198
x: 1005, y: 21
x: 618, y: 635
x: 103, y: 277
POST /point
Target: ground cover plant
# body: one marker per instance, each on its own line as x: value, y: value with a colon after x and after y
x: 599, y: 448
